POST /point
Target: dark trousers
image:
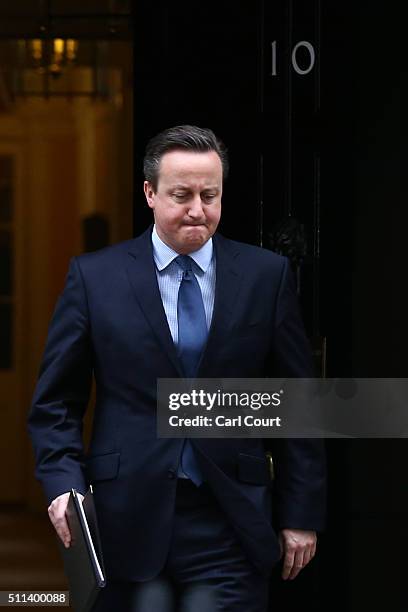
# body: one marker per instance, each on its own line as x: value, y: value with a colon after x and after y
x: 206, y: 569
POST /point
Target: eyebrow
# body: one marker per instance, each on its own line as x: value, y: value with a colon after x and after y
x: 187, y: 188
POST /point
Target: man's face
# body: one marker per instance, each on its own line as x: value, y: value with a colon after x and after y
x: 187, y: 203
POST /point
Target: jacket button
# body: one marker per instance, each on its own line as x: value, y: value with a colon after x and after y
x: 171, y: 474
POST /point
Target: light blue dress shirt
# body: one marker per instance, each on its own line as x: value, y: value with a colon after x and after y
x: 169, y: 276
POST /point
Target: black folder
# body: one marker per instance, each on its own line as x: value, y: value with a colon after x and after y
x: 83, y: 560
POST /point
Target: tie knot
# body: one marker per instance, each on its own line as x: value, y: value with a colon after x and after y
x: 185, y: 262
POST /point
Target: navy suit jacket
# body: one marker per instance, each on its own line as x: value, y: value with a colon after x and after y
x: 110, y: 322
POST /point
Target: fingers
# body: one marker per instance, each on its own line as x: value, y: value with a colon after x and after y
x: 309, y: 554
x: 299, y: 549
x: 56, y: 512
x: 288, y: 563
x: 298, y: 564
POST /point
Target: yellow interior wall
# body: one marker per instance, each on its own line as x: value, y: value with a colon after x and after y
x: 68, y: 156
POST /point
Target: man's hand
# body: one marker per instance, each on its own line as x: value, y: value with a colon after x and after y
x: 298, y: 547
x: 56, y: 512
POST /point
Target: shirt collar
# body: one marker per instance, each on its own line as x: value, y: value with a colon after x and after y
x: 164, y: 255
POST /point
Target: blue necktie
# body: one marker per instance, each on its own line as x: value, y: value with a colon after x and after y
x: 192, y: 336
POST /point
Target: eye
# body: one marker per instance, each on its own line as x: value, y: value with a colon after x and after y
x: 210, y: 196
x: 180, y: 197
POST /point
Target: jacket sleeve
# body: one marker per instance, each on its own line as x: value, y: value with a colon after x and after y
x: 299, y: 464
x: 62, y: 392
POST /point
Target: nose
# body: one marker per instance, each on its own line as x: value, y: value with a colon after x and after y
x: 195, y: 210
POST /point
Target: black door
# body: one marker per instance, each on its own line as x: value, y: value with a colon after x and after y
x: 310, y: 99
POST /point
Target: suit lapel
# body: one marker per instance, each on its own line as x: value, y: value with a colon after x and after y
x: 142, y: 275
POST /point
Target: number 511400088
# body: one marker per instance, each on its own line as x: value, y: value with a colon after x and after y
x: 33, y: 598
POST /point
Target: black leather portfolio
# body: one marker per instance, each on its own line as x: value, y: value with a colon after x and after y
x: 83, y: 559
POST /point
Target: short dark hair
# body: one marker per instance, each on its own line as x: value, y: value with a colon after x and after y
x: 185, y: 137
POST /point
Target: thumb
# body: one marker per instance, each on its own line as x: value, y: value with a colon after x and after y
x: 281, y: 543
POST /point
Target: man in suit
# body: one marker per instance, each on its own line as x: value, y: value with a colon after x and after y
x: 180, y: 300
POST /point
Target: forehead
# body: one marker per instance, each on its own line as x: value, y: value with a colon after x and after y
x: 186, y: 166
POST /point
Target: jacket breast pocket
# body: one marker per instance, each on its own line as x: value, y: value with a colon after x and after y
x: 253, y: 470
x: 102, y: 467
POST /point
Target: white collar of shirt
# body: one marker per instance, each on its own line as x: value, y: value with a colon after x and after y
x: 164, y: 255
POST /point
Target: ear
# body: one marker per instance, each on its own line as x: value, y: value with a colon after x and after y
x: 149, y: 193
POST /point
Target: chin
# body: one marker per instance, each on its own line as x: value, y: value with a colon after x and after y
x: 193, y: 243
x: 197, y: 235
